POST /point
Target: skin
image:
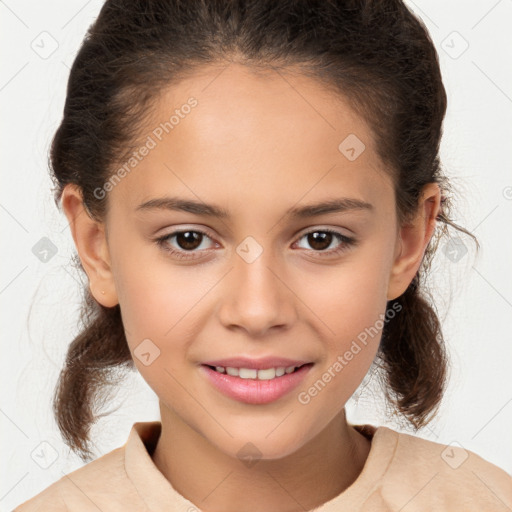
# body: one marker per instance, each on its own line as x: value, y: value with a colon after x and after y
x: 256, y: 145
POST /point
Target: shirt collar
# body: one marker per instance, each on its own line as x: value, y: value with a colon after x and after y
x: 152, y: 486
x: 159, y: 495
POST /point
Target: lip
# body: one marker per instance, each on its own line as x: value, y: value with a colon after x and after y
x: 255, y: 364
x: 255, y: 391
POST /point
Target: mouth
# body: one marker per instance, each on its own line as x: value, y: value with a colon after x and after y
x: 257, y: 374
x: 261, y: 385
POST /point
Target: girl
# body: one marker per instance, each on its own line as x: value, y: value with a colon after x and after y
x: 254, y: 191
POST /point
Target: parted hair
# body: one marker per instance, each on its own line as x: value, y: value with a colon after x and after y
x: 375, y: 53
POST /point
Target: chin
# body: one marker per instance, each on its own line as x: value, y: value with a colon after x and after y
x: 250, y: 444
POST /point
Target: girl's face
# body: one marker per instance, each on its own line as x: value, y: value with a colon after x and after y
x: 246, y: 269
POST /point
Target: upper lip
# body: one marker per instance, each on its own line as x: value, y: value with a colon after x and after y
x: 258, y: 364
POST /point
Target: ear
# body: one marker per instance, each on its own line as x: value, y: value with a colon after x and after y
x: 412, y: 241
x: 91, y: 243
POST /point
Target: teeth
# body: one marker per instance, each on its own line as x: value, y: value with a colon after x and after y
x: 252, y: 373
x: 246, y: 373
x: 267, y: 374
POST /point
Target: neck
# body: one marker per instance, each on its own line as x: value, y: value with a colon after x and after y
x: 319, y: 471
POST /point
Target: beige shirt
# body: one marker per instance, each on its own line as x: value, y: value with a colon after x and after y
x: 402, y: 473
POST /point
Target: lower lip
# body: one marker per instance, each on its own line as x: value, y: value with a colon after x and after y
x: 254, y: 391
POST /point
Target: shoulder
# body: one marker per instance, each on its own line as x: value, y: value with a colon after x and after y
x: 102, y: 482
x: 427, y: 475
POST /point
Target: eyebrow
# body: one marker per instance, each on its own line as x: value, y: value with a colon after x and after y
x: 338, y: 205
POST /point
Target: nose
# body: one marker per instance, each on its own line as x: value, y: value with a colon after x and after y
x: 255, y: 297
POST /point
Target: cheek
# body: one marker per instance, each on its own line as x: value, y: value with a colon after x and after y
x: 161, y: 302
x: 155, y: 312
x: 348, y: 298
x: 150, y: 292
x: 353, y: 311
x: 349, y: 304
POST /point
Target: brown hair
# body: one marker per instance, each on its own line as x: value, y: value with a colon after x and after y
x: 375, y: 53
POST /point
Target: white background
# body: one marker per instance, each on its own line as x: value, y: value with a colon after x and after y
x: 477, y: 410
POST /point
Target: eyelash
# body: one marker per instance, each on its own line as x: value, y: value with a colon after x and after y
x: 348, y: 242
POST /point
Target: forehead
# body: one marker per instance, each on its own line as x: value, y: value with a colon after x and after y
x: 229, y: 134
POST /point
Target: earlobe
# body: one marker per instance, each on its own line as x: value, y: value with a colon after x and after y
x: 412, y: 241
x: 91, y: 244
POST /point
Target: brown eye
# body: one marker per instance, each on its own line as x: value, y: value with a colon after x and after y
x: 185, y: 243
x: 320, y: 240
x: 189, y: 240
